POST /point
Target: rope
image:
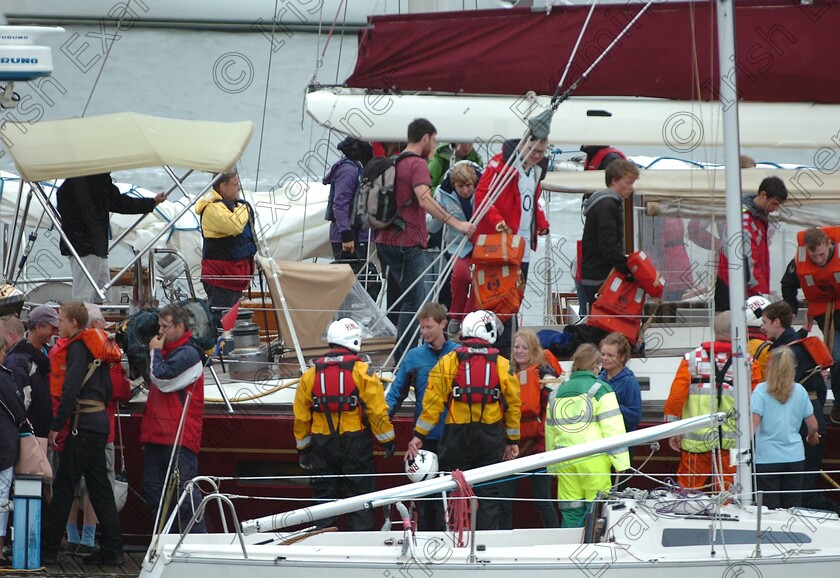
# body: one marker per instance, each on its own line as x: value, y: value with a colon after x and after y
x: 253, y: 396
x: 460, y: 502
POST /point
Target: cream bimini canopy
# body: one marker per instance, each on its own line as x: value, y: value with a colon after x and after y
x: 112, y: 142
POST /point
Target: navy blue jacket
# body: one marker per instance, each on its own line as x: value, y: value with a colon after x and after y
x: 629, y: 394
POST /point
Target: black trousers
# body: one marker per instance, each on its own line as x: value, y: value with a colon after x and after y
x: 783, y: 479
x: 466, y: 446
x: 84, y: 454
x: 155, y: 462
x: 343, y: 468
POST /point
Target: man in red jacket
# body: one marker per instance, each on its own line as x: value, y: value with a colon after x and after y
x: 517, y: 209
x: 177, y: 387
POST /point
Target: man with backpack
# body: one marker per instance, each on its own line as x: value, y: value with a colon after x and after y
x: 85, y: 393
x: 177, y: 387
x: 402, y: 235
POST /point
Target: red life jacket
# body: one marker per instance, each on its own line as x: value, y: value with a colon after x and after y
x: 647, y: 277
x: 594, y: 164
x: 101, y: 345
x: 821, y: 285
x: 335, y: 390
x: 477, y: 379
x: 619, y: 307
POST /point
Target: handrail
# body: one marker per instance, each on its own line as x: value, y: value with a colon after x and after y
x: 222, y: 499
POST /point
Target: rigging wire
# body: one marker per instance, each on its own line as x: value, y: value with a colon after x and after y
x: 265, y: 96
x: 105, y: 59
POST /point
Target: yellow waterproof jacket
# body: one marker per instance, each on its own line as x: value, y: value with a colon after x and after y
x: 439, y: 394
x: 372, y: 409
x: 585, y: 409
x: 217, y: 221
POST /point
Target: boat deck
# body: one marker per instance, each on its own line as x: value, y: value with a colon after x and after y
x: 70, y: 566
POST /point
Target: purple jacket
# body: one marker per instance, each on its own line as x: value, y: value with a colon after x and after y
x: 343, y: 178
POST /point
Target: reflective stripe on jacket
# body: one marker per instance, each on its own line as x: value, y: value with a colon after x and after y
x: 585, y: 409
x: 439, y: 392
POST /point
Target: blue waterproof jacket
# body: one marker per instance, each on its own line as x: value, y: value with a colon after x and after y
x: 414, y: 370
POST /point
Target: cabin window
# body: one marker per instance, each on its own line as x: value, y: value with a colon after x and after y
x: 678, y: 537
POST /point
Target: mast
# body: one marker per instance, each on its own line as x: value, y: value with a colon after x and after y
x: 737, y: 242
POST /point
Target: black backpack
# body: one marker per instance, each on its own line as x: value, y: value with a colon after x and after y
x: 375, y: 205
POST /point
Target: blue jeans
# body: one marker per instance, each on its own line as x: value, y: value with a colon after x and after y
x: 406, y: 264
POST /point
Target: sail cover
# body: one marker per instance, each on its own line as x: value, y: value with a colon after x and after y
x: 782, y: 51
x: 112, y: 142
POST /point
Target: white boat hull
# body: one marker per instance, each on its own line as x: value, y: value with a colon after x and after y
x: 680, y: 126
x: 641, y: 542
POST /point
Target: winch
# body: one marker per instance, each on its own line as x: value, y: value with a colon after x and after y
x: 249, y: 358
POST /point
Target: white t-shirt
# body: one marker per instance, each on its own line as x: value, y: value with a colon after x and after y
x: 527, y: 196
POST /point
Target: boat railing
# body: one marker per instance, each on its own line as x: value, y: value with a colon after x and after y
x: 215, y: 495
x: 167, y: 283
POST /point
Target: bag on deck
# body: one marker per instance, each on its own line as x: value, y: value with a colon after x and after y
x: 375, y: 205
x: 499, y: 249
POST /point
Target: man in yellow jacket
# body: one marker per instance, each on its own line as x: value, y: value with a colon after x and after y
x: 227, y: 225
x: 335, y: 401
x: 583, y: 409
x: 474, y: 383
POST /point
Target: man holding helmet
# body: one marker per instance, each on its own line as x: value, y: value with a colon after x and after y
x: 334, y: 400
x: 482, y: 396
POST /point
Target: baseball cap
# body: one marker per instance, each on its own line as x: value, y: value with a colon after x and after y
x: 44, y: 314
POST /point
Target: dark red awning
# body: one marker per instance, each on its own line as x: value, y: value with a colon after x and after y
x: 786, y: 51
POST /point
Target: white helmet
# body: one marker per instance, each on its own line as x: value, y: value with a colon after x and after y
x: 755, y: 307
x: 480, y: 325
x: 423, y: 467
x: 345, y: 333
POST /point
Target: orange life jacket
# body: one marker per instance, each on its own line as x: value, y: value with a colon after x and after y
x: 817, y: 349
x: 499, y: 249
x: 646, y: 274
x: 821, y: 285
x: 101, y: 345
x: 530, y: 392
x: 498, y: 288
x: 619, y: 307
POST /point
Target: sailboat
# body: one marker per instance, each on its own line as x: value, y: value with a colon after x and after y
x: 657, y: 533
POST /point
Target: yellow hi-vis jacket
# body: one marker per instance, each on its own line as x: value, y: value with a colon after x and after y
x: 694, y: 390
x: 585, y: 409
x: 439, y: 394
x: 372, y: 408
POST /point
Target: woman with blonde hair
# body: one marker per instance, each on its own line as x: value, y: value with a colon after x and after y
x: 778, y: 408
x: 615, y: 352
x: 531, y: 364
x: 583, y: 409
